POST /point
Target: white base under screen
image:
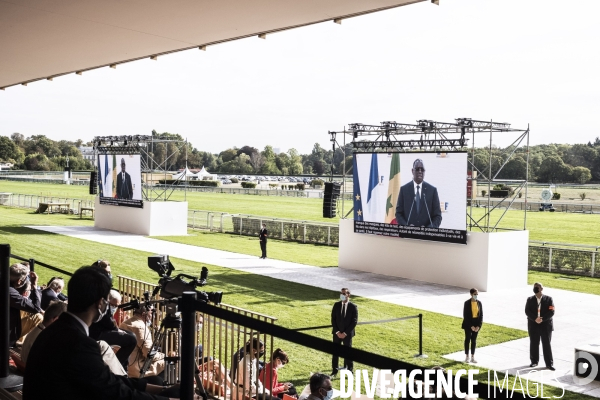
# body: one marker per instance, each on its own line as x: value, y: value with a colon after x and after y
x: 157, y: 218
x: 489, y: 261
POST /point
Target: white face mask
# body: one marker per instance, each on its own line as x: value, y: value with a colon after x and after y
x: 102, y: 313
x: 342, y: 297
x: 113, y: 310
x: 148, y: 323
x: 329, y: 395
x: 475, y: 297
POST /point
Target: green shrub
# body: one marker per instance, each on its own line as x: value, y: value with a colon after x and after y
x: 205, y: 183
x: 582, y: 196
x: 520, y: 194
x: 556, y: 196
x: 273, y: 185
x: 248, y: 185
x: 235, y: 180
x: 168, y: 182
x: 300, y: 186
x: 484, y: 193
x: 317, y: 182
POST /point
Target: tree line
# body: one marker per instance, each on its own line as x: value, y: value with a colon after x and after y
x: 555, y: 163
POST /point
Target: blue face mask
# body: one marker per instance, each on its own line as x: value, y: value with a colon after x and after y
x: 342, y: 297
x: 329, y: 395
x: 475, y: 297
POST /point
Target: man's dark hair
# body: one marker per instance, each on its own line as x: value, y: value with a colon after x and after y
x: 473, y: 290
x: 316, y: 382
x: 122, y: 161
x: 86, y: 287
x: 418, y: 160
x: 54, y: 310
x: 255, y: 343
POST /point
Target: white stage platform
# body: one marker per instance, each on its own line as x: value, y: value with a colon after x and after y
x: 489, y: 261
x: 157, y: 218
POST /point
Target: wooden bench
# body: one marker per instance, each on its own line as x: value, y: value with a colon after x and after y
x: 49, y: 208
x: 82, y: 209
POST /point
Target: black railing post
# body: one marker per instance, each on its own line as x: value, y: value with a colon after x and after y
x: 421, y: 355
x: 8, y: 381
x: 32, y: 265
x: 188, y: 330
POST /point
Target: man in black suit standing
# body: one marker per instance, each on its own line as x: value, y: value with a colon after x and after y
x: 344, y: 317
x: 262, y: 236
x: 540, y: 312
x: 124, y: 187
x: 65, y: 359
x: 418, y: 202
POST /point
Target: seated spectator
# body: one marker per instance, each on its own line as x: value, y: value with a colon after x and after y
x: 268, y: 376
x: 53, y: 291
x: 215, y: 379
x: 106, y: 329
x: 104, y: 265
x: 320, y: 387
x: 247, y: 372
x: 52, y: 313
x: 238, y: 355
x: 23, y: 298
x: 140, y: 325
x: 65, y: 363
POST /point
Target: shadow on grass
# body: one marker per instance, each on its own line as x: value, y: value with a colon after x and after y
x: 19, y: 230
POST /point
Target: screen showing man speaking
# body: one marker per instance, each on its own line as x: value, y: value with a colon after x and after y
x: 120, y: 180
x: 411, y: 195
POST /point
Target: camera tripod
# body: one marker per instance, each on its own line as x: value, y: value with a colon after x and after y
x: 169, y: 334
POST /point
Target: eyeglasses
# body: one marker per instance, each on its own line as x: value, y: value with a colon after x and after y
x: 420, y: 169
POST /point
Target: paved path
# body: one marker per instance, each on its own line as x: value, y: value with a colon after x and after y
x: 577, y: 319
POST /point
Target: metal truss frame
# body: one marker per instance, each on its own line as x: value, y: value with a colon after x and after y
x: 144, y: 146
x: 449, y: 137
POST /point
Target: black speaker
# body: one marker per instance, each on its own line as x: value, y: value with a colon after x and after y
x: 330, y: 197
x: 93, y: 183
x: 587, y: 365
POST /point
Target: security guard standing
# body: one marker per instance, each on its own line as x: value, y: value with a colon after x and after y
x: 540, y: 312
x: 262, y: 236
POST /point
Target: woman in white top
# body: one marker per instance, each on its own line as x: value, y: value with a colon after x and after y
x: 249, y: 386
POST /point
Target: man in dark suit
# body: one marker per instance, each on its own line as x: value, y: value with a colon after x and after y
x: 344, y: 317
x: 53, y: 292
x: 418, y: 202
x: 65, y: 359
x: 124, y: 187
x: 262, y: 236
x: 540, y: 312
x: 20, y: 278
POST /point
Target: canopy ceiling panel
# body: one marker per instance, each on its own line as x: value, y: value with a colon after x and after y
x: 40, y: 39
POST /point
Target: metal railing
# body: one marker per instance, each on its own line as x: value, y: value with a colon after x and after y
x: 563, y: 258
x: 307, y: 193
x: 33, y: 201
x: 586, y: 208
x: 220, y: 340
x: 249, y: 225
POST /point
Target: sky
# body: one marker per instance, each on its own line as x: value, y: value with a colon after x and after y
x: 523, y: 62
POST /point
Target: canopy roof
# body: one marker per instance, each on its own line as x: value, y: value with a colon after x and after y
x: 41, y: 39
x: 184, y: 174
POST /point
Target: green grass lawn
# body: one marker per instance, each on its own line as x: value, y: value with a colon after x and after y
x: 551, y: 227
x: 294, y: 305
x: 582, y: 284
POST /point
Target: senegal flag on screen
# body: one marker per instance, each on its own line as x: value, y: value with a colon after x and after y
x: 393, y: 189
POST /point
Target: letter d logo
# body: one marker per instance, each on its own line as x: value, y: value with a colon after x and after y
x: 586, y: 364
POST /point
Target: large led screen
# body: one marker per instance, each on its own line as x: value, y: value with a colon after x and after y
x: 120, y: 180
x: 411, y: 195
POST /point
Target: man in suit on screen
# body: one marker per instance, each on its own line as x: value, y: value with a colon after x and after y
x: 418, y: 201
x: 124, y: 187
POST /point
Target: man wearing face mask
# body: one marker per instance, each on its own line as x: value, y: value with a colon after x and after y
x: 344, y: 317
x: 539, y: 309
x: 141, y: 327
x: 67, y: 361
x: 320, y: 387
x: 106, y: 329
